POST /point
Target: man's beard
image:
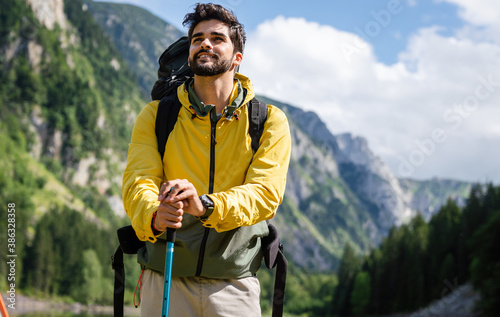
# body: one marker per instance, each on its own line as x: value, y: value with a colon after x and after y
x: 216, y: 68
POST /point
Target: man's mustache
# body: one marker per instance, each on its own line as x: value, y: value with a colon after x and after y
x: 204, y: 51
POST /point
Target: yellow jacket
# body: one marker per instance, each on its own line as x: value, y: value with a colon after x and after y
x: 247, y: 187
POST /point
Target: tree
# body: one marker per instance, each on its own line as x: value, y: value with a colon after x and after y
x: 46, y: 268
x: 91, y: 289
x: 444, y: 248
x: 361, y: 293
x: 485, y: 266
x: 472, y: 218
x: 349, y: 267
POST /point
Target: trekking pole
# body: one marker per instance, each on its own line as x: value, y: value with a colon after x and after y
x: 168, y: 271
x: 168, y: 268
x: 3, y: 309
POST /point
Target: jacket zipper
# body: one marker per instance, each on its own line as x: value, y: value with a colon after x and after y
x: 203, y: 245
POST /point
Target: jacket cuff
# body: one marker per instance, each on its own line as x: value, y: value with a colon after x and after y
x: 148, y: 229
x: 156, y: 232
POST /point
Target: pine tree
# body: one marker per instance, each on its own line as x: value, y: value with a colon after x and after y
x: 90, y: 291
x: 444, y: 237
x: 361, y: 293
x: 349, y: 267
x: 485, y: 264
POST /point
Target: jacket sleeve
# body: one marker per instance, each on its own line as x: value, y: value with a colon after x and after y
x: 143, y: 175
x: 261, y: 194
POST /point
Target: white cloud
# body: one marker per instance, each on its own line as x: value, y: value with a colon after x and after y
x: 482, y: 16
x: 447, y: 85
x: 479, y: 12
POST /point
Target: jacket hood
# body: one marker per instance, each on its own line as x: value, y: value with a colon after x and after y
x: 247, y: 84
x: 242, y: 93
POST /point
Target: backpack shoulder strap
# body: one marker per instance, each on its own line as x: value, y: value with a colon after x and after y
x: 272, y: 250
x: 129, y: 244
x: 257, y: 111
x: 166, y: 117
x: 119, y: 286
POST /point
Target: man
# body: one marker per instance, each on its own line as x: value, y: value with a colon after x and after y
x: 211, y: 187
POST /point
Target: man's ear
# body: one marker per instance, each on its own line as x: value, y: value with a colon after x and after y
x: 237, y: 59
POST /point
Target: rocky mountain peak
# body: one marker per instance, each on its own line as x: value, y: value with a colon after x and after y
x: 354, y: 149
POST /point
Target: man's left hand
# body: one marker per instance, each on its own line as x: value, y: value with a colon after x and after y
x: 182, y: 190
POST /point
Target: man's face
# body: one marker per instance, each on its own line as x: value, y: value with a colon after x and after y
x: 211, y: 51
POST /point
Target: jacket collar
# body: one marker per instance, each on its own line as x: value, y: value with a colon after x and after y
x: 242, y: 93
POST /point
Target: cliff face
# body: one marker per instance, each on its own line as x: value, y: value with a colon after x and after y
x: 364, y: 173
x: 375, y: 192
x: 371, y: 179
x: 50, y: 13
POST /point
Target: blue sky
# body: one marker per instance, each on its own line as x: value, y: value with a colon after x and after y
x: 420, y: 80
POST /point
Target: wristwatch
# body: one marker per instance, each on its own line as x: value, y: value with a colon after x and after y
x: 208, y: 203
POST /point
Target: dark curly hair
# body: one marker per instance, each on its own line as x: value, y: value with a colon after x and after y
x: 209, y: 11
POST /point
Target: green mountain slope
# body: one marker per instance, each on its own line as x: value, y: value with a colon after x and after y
x: 67, y: 105
x: 140, y: 37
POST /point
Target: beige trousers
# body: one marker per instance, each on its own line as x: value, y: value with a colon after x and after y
x: 201, y: 297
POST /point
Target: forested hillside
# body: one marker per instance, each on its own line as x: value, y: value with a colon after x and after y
x: 417, y: 264
x: 420, y: 262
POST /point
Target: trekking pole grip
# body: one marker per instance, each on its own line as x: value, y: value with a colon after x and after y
x: 170, y: 235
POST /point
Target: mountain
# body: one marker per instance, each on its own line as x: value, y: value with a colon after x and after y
x: 74, y: 77
x: 67, y: 106
x: 139, y: 35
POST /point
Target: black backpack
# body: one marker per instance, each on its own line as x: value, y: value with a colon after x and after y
x: 173, y: 71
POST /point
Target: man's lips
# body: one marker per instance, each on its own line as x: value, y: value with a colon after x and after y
x: 205, y: 55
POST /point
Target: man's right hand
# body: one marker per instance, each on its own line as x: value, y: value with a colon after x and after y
x: 169, y: 215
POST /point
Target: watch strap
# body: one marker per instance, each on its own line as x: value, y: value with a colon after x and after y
x: 208, y: 203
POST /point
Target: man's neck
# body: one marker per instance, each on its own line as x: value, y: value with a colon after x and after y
x: 214, y: 90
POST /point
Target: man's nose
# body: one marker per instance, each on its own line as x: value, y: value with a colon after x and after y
x: 206, y: 44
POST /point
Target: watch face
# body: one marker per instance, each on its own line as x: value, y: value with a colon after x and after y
x: 206, y: 201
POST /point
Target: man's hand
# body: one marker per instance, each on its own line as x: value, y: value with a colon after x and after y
x: 169, y: 215
x: 182, y: 191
